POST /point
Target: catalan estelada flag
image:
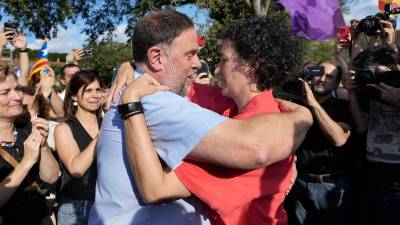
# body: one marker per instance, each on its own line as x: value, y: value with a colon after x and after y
x: 41, y: 62
x: 395, y: 4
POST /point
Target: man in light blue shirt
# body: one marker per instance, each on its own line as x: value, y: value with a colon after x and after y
x: 165, y: 47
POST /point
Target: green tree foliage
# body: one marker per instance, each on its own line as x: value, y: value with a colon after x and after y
x: 42, y: 17
x: 225, y: 13
x: 106, y: 56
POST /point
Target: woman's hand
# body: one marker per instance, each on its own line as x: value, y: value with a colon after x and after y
x: 46, y: 82
x: 32, y: 147
x: 4, y: 36
x: 42, y: 126
x: 123, y: 77
x: 142, y: 86
x: 77, y: 54
x: 20, y: 41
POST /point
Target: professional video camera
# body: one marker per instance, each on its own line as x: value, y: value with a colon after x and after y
x: 373, y: 75
x: 371, y: 24
x: 293, y: 89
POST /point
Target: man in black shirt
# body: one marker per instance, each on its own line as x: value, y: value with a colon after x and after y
x: 377, y: 115
x: 320, y: 194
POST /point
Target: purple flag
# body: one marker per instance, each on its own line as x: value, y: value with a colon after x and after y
x: 314, y: 19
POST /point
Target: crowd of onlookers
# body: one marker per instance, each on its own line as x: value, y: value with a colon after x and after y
x: 347, y: 167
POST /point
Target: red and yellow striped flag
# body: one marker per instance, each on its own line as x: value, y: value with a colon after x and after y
x: 42, y: 61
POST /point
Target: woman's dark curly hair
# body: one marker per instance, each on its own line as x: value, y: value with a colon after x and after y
x: 267, y: 44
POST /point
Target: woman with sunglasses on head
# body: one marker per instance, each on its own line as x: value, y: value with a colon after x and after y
x: 76, y: 140
x: 26, y: 163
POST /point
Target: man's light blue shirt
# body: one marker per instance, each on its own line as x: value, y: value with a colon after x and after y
x: 176, y: 127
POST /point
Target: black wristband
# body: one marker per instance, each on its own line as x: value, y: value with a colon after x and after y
x: 22, y: 50
x: 125, y: 109
x: 126, y: 116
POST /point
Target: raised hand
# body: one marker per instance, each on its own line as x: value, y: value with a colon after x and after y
x: 5, y: 36
x: 42, y: 126
x: 309, y: 98
x: 46, y: 82
x: 77, y: 54
x: 349, y: 82
x: 32, y: 147
x: 123, y: 77
x: 144, y: 85
x: 20, y: 41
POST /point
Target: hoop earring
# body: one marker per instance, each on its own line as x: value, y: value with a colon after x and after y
x: 75, y: 103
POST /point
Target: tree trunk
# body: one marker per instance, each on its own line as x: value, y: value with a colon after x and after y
x: 260, y: 7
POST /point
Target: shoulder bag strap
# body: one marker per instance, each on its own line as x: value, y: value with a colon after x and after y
x: 7, y: 156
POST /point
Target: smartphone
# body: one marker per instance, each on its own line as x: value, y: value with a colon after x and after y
x: 87, y: 53
x: 9, y: 27
x: 344, y: 34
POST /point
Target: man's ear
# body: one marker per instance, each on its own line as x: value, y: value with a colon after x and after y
x: 154, y: 58
x: 62, y: 81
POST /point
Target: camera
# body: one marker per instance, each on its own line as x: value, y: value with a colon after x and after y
x: 291, y: 90
x: 314, y: 71
x: 373, y: 75
x: 371, y: 24
x: 87, y: 53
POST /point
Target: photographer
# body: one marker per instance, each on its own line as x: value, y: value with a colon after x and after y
x: 380, y: 196
x: 380, y: 27
x: 320, y: 194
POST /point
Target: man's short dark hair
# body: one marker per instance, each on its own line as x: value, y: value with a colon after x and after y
x: 161, y: 27
x: 267, y: 43
x: 69, y: 65
x: 377, y: 55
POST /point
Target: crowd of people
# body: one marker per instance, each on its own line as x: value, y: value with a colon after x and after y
x: 274, y: 141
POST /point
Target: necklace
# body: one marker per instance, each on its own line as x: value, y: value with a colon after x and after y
x: 9, y: 144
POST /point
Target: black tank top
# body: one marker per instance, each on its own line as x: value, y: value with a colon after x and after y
x: 82, y: 188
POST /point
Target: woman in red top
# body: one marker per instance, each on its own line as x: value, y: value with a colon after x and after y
x: 255, y: 55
